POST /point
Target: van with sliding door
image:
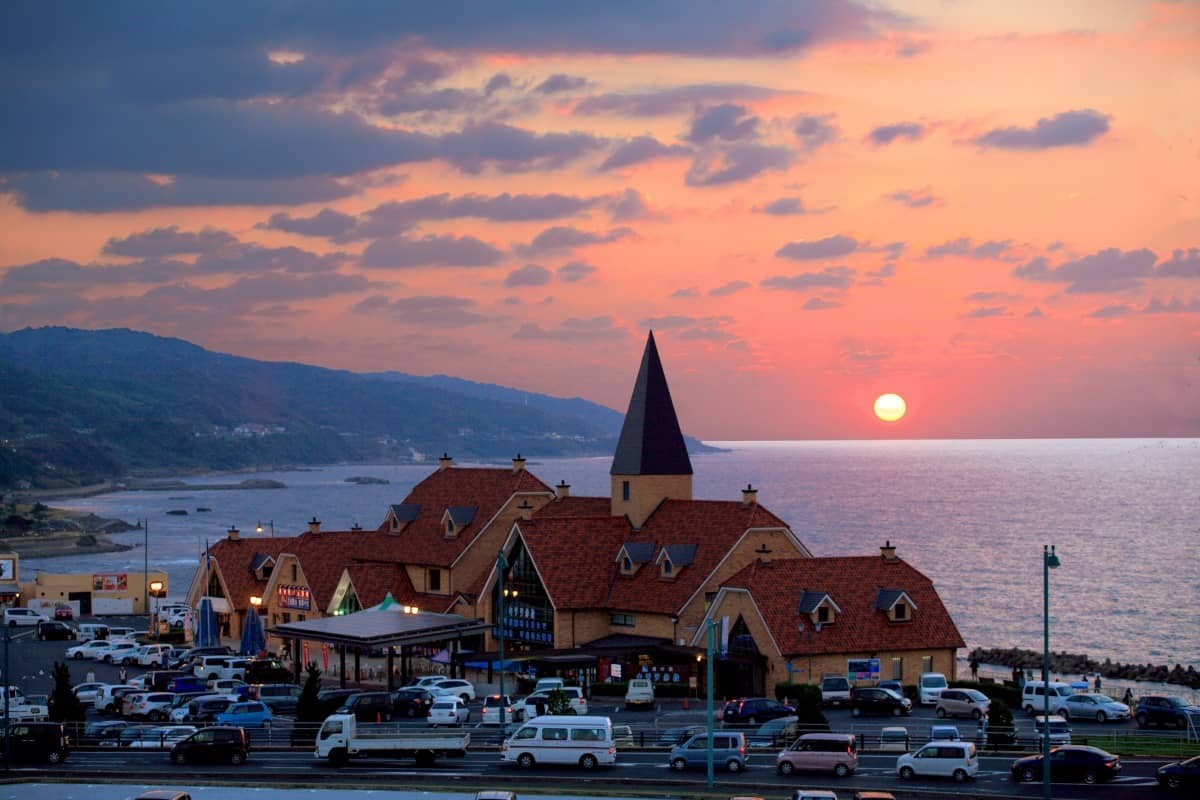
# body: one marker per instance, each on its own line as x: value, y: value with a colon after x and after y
x: 551, y: 739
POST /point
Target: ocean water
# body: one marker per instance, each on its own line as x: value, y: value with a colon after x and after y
x: 1124, y: 515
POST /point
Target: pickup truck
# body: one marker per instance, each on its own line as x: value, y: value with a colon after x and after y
x: 19, y: 707
x: 342, y: 738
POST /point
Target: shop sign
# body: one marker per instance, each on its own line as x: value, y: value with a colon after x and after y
x: 110, y: 582
x: 863, y: 669
x: 297, y: 597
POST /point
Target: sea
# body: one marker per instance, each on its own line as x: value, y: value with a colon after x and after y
x: 973, y: 515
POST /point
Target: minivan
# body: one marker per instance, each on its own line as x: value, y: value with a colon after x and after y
x: 728, y: 752
x: 93, y: 630
x: 550, y: 739
x: 368, y: 706
x: 1060, y: 731
x: 209, y: 667
x: 930, y: 686
x: 639, y: 692
x: 215, y: 744
x: 825, y: 752
x: 1033, y: 696
x: 940, y: 760
x: 36, y: 741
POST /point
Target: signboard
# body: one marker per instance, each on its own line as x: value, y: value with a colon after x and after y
x: 616, y: 672
x: 297, y: 597
x: 863, y: 669
x: 110, y: 582
x: 8, y: 569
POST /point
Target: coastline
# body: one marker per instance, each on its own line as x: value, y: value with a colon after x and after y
x: 63, y: 543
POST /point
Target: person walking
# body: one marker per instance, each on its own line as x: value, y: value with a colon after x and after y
x: 121, y: 674
x: 1097, y: 683
x: 974, y: 668
x: 1128, y: 697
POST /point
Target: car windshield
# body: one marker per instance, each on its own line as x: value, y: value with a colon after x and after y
x: 1176, y: 702
x: 976, y: 695
x: 892, y: 694
x: 933, y: 681
x: 1103, y: 698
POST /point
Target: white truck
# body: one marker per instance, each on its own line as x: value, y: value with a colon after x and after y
x: 342, y: 738
x: 19, y: 707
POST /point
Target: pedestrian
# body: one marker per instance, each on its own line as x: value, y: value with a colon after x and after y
x: 1016, y: 676
x: 1128, y: 698
x: 121, y: 674
x: 1097, y: 683
x: 974, y: 668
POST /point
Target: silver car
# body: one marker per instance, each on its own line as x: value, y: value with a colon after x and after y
x: 1099, y: 707
x: 962, y: 703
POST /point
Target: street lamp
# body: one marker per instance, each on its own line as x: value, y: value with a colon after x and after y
x: 711, y: 629
x: 255, y: 600
x: 156, y: 588
x: 259, y: 527
x: 808, y: 632
x: 501, y: 566
x: 1049, y: 561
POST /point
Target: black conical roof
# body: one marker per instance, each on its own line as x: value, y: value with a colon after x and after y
x: 651, y: 442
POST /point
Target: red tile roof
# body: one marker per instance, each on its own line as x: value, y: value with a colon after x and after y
x: 487, y: 489
x: 852, y: 582
x: 576, y: 507
x: 233, y: 558
x: 575, y: 557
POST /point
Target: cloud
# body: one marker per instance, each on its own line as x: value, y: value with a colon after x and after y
x: 641, y: 149
x: 815, y: 130
x: 876, y: 277
x: 820, y: 304
x: 326, y: 222
x: 629, y: 205
x: 388, y: 219
x: 1172, y: 306
x: 1068, y: 129
x: 496, y: 83
x: 993, y: 297
x: 985, y: 312
x: 675, y: 100
x: 574, y: 329
x: 528, y: 275
x: 560, y: 83
x: 915, y: 198
x: 886, y: 134
x: 567, y: 237
x: 441, y: 311
x: 169, y: 241
x: 727, y: 122
x: 512, y: 149
x: 687, y: 293
x: 575, y: 271
x: 431, y: 251
x: 1035, y: 313
x: 1112, y: 311
x: 1110, y: 270
x: 828, y: 278
x: 733, y: 287
x: 783, y: 206
x: 966, y: 248
x: 829, y: 247
x: 1182, y: 264
x: 737, y: 162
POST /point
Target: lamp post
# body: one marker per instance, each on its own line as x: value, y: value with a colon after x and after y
x: 156, y: 588
x: 711, y: 627
x: 259, y: 527
x: 501, y: 566
x: 808, y: 632
x: 146, y: 569
x: 1049, y: 561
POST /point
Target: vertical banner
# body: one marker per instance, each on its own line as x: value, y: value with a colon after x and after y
x: 304, y: 659
x: 325, y: 656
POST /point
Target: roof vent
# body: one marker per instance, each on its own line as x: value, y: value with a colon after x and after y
x: 526, y: 509
x: 749, y: 495
x: 445, y: 461
x: 234, y: 533
x: 356, y: 527
x: 518, y: 464
x: 888, y: 551
x: 314, y: 525
x: 562, y: 490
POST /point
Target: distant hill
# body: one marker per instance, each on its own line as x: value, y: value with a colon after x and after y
x: 83, y: 406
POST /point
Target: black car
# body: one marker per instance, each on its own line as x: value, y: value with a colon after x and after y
x: 669, y: 737
x: 48, y: 631
x: 754, y: 710
x: 212, y: 745
x: 1160, y: 710
x: 1068, y: 763
x: 206, y: 710
x: 105, y: 731
x: 331, y: 700
x: 367, y: 706
x: 36, y: 741
x: 866, y: 700
x: 267, y: 670
x: 411, y: 701
x: 1180, y: 775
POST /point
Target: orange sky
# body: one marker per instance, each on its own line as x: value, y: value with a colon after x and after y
x: 977, y: 205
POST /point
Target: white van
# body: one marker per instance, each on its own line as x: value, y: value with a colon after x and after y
x: 929, y: 687
x: 640, y: 692
x: 1033, y: 697
x: 550, y: 739
x: 93, y: 630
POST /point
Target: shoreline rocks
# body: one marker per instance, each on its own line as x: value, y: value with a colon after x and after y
x: 1079, y: 664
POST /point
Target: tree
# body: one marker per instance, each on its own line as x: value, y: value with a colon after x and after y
x: 64, y: 705
x: 1000, y: 724
x: 557, y: 702
x: 309, y: 713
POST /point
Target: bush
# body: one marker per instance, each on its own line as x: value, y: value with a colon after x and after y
x: 308, y: 708
x: 64, y: 705
x: 1001, y: 732
x: 806, y: 699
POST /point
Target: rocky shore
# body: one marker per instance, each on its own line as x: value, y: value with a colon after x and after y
x: 1077, y: 664
x: 41, y: 532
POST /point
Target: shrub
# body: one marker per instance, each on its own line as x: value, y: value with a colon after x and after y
x: 64, y: 705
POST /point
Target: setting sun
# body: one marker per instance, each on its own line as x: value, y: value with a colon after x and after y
x: 890, y: 407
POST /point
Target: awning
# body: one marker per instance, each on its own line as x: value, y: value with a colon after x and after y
x: 9, y: 587
x: 219, y: 604
x: 382, y: 628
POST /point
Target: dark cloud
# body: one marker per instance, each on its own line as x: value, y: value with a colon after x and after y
x: 1110, y: 270
x: 253, y: 259
x: 876, y: 277
x: 1035, y: 313
x: 727, y: 122
x: 326, y: 222
x: 574, y: 329
x: 560, y: 83
x: 439, y: 311
x: 966, y: 248
x: 916, y: 198
x: 985, y: 312
x: 829, y: 247
x: 435, y: 100
x: 511, y: 149
x: 1112, y: 311
x: 55, y: 274
x: 169, y: 241
x: 993, y: 297
x: 431, y: 251
x: 641, y: 149
x: 1068, y: 129
x: 1182, y: 264
x: 736, y: 162
x: 149, y: 77
x: 629, y: 205
x: 1172, y: 306
x: 784, y: 206
x: 886, y: 134
x: 911, y: 48
x: 820, y: 304
x: 815, y: 130
x: 388, y: 219
x: 676, y: 100
x: 667, y: 323
x: 528, y: 275
x: 685, y: 294
x: 566, y: 237
x: 419, y: 72
x: 575, y: 271
x: 724, y: 290
x: 496, y: 83
x: 828, y: 278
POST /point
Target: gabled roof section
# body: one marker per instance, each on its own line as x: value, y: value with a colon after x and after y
x: 404, y: 512
x: 572, y: 557
x: 810, y: 601
x: 259, y: 559
x: 886, y: 598
x: 638, y: 552
x: 651, y: 441
x: 461, y: 516
x: 856, y: 581
x: 680, y: 555
x: 238, y: 561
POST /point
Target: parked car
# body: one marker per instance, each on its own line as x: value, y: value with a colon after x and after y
x: 162, y: 737
x: 894, y: 739
x: 623, y: 736
x: 154, y: 655
x: 93, y: 648
x: 368, y: 706
x: 824, y: 752
x: 63, y: 611
x: 835, y: 690
x: 1060, y: 731
x: 93, y: 630
x: 119, y: 653
x: 491, y: 709
x: 109, y: 698
x: 209, y: 666
x: 281, y: 698
x: 267, y: 670
x: 187, y: 683
x: 895, y: 686
x: 203, y: 709
x: 130, y: 735
x: 448, y: 710
x: 152, y: 705
x: 250, y: 714
x: 962, y: 703
x: 947, y: 733
x: 413, y: 701
x: 428, y: 681
x: 119, y: 632
x: 1180, y: 774
x: 1075, y: 763
x: 668, y: 737
x: 461, y: 688
x: 102, y: 732
x: 538, y: 702
x: 232, y: 686
x: 929, y: 686
x: 639, y: 694
x: 865, y: 700
x: 1034, y: 694
x: 23, y: 617
x: 777, y: 732
x: 754, y: 710
x: 1169, y: 711
x: 1099, y: 707
x: 36, y: 741
x: 86, y: 692
x: 940, y: 759
x: 331, y: 699
x: 53, y: 629
x: 181, y: 700
x: 213, y: 745
x: 728, y: 752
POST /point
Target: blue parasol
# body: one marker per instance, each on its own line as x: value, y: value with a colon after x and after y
x: 207, y: 632
x: 254, y: 639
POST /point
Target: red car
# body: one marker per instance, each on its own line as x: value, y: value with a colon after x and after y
x: 63, y: 611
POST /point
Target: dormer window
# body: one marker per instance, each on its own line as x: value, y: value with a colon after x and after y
x: 262, y: 565
x: 456, y: 518
x: 667, y: 568
x: 818, y: 607
x: 627, y: 565
x: 896, y: 603
x: 823, y: 615
x: 674, y: 557
x: 449, y: 526
x: 632, y: 555
x: 900, y: 611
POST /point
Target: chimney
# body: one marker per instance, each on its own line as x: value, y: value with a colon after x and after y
x: 356, y: 527
x: 562, y: 490
x: 888, y: 551
x: 526, y: 509
x: 314, y: 526
x: 234, y: 534
x: 445, y: 462
x: 518, y: 464
x: 749, y: 496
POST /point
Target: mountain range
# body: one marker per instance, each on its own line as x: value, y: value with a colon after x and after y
x: 79, y: 407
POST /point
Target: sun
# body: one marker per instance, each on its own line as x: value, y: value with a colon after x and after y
x: 890, y: 407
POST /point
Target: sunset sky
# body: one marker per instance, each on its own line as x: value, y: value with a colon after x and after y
x: 991, y: 208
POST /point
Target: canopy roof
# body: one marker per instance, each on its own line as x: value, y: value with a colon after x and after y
x: 384, y: 625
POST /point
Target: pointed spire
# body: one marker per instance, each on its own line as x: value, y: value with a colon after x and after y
x: 651, y: 442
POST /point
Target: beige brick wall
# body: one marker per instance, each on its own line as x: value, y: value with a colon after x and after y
x: 943, y: 662
x: 480, y: 557
x: 646, y: 492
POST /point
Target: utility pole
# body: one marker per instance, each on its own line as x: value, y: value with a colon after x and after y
x: 146, y: 569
